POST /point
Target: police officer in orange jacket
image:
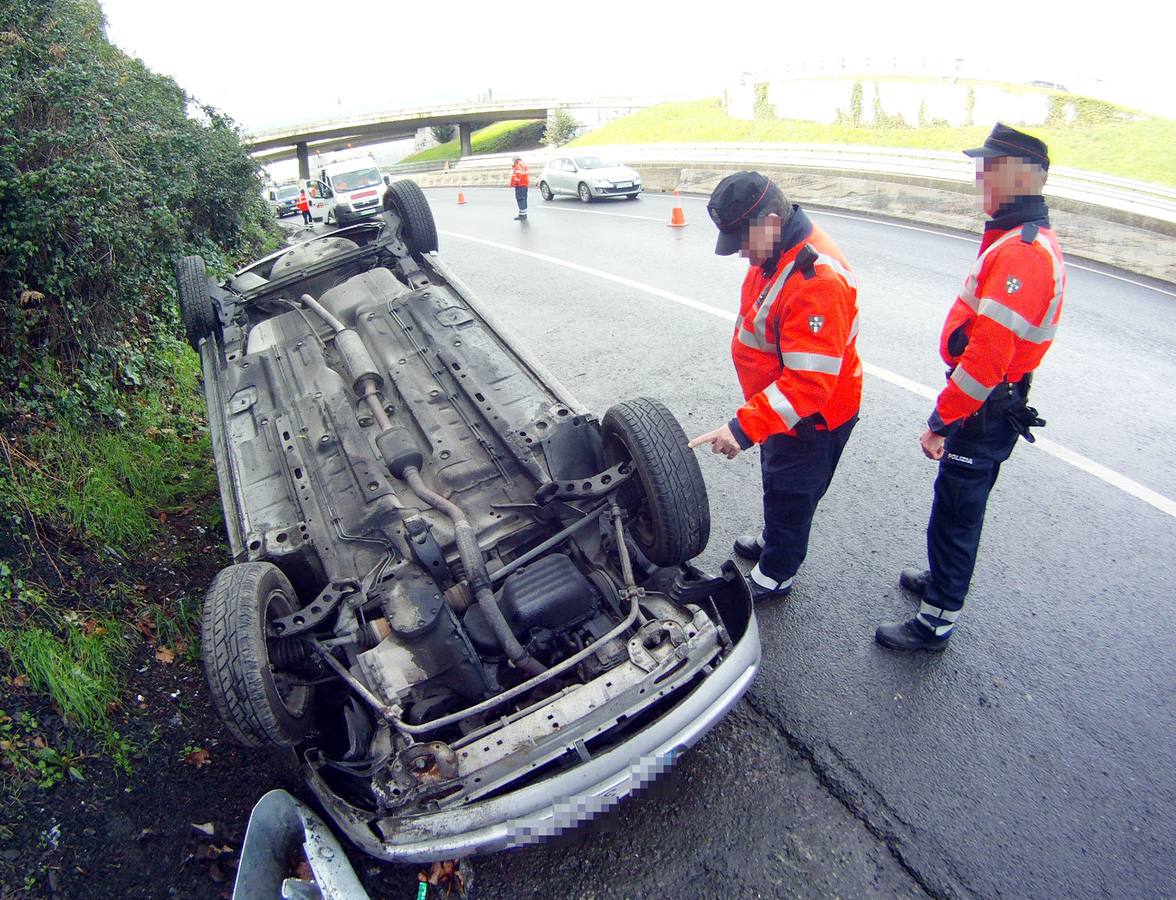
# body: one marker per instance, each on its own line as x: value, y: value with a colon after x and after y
x: 519, y: 180
x: 795, y: 353
x: 996, y: 334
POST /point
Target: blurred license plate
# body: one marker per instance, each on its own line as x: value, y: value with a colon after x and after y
x: 621, y: 184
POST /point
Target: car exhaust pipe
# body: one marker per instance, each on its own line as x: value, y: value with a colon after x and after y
x: 404, y: 460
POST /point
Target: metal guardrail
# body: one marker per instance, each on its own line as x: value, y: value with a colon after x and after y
x: 1137, y: 197
x: 431, y: 165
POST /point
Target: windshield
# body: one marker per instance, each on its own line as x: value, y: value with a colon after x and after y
x: 287, y: 193
x: 593, y: 162
x: 353, y: 181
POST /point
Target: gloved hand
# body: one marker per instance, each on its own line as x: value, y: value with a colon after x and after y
x: 1022, y: 418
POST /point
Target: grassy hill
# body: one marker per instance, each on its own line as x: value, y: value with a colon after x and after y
x: 501, y: 137
x: 1117, y: 142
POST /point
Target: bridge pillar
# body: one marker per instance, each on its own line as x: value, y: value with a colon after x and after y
x: 465, y: 131
x: 303, y: 160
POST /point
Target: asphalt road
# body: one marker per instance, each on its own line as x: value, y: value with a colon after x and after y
x: 1036, y: 757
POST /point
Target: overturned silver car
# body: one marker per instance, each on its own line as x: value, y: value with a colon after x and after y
x: 463, y: 600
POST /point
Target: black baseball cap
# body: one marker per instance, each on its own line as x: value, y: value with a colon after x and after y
x: 737, y: 201
x: 1006, y: 141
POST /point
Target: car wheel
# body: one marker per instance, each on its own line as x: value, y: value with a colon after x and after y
x: 418, y: 229
x: 256, y: 701
x: 584, y: 192
x: 545, y: 191
x: 196, y: 310
x: 671, y: 521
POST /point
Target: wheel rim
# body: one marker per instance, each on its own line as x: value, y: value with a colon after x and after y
x: 585, y: 195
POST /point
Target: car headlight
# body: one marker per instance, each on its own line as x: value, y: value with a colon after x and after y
x: 601, y: 183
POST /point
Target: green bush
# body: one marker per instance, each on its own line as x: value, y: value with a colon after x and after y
x: 763, y: 108
x: 106, y: 172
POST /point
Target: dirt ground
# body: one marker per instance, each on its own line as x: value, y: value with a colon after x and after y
x: 173, y: 827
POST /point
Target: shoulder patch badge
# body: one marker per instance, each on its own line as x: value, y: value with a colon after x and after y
x: 1013, y: 285
x: 816, y: 323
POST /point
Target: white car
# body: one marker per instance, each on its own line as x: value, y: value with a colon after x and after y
x: 588, y: 177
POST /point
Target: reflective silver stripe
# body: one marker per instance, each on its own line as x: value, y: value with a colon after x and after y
x: 765, y: 305
x: 836, y: 266
x: 812, y: 362
x: 968, y: 294
x: 771, y: 584
x: 1004, y: 315
x: 949, y: 616
x: 748, y: 339
x: 784, y: 409
x: 969, y: 385
x: 1059, y: 276
x: 854, y: 328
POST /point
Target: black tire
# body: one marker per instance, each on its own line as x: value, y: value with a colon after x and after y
x: 418, y: 229
x: 668, y: 496
x: 241, y: 599
x: 545, y: 191
x: 584, y: 192
x: 196, y: 310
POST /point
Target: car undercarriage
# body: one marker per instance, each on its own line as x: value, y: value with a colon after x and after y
x: 465, y: 602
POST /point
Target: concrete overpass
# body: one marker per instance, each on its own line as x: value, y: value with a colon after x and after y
x: 302, y: 139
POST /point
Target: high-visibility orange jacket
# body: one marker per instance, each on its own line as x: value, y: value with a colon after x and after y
x: 302, y: 204
x: 1004, y: 320
x: 795, y: 343
x: 518, y: 175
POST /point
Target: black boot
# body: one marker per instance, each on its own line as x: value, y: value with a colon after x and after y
x: 915, y: 580
x: 765, y: 588
x: 748, y: 546
x: 910, y: 635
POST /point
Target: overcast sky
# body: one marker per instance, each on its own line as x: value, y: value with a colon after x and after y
x: 269, y: 63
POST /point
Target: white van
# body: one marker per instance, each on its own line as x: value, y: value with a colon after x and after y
x: 346, y: 191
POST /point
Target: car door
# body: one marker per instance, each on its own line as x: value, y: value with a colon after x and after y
x: 566, y: 174
x: 321, y: 197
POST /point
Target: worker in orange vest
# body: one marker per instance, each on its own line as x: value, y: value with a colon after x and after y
x: 303, y: 206
x: 795, y: 353
x: 996, y: 334
x: 519, y: 180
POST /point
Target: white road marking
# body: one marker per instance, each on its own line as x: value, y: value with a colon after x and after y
x: 1066, y: 455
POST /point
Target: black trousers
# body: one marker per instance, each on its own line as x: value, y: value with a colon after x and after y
x: 521, y: 198
x: 969, y: 469
x: 797, y: 471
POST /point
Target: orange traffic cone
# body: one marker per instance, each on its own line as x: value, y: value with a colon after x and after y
x: 677, y: 217
x: 460, y: 198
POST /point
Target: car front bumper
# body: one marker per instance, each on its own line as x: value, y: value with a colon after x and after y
x: 544, y: 809
x: 617, y: 191
x: 345, y: 216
